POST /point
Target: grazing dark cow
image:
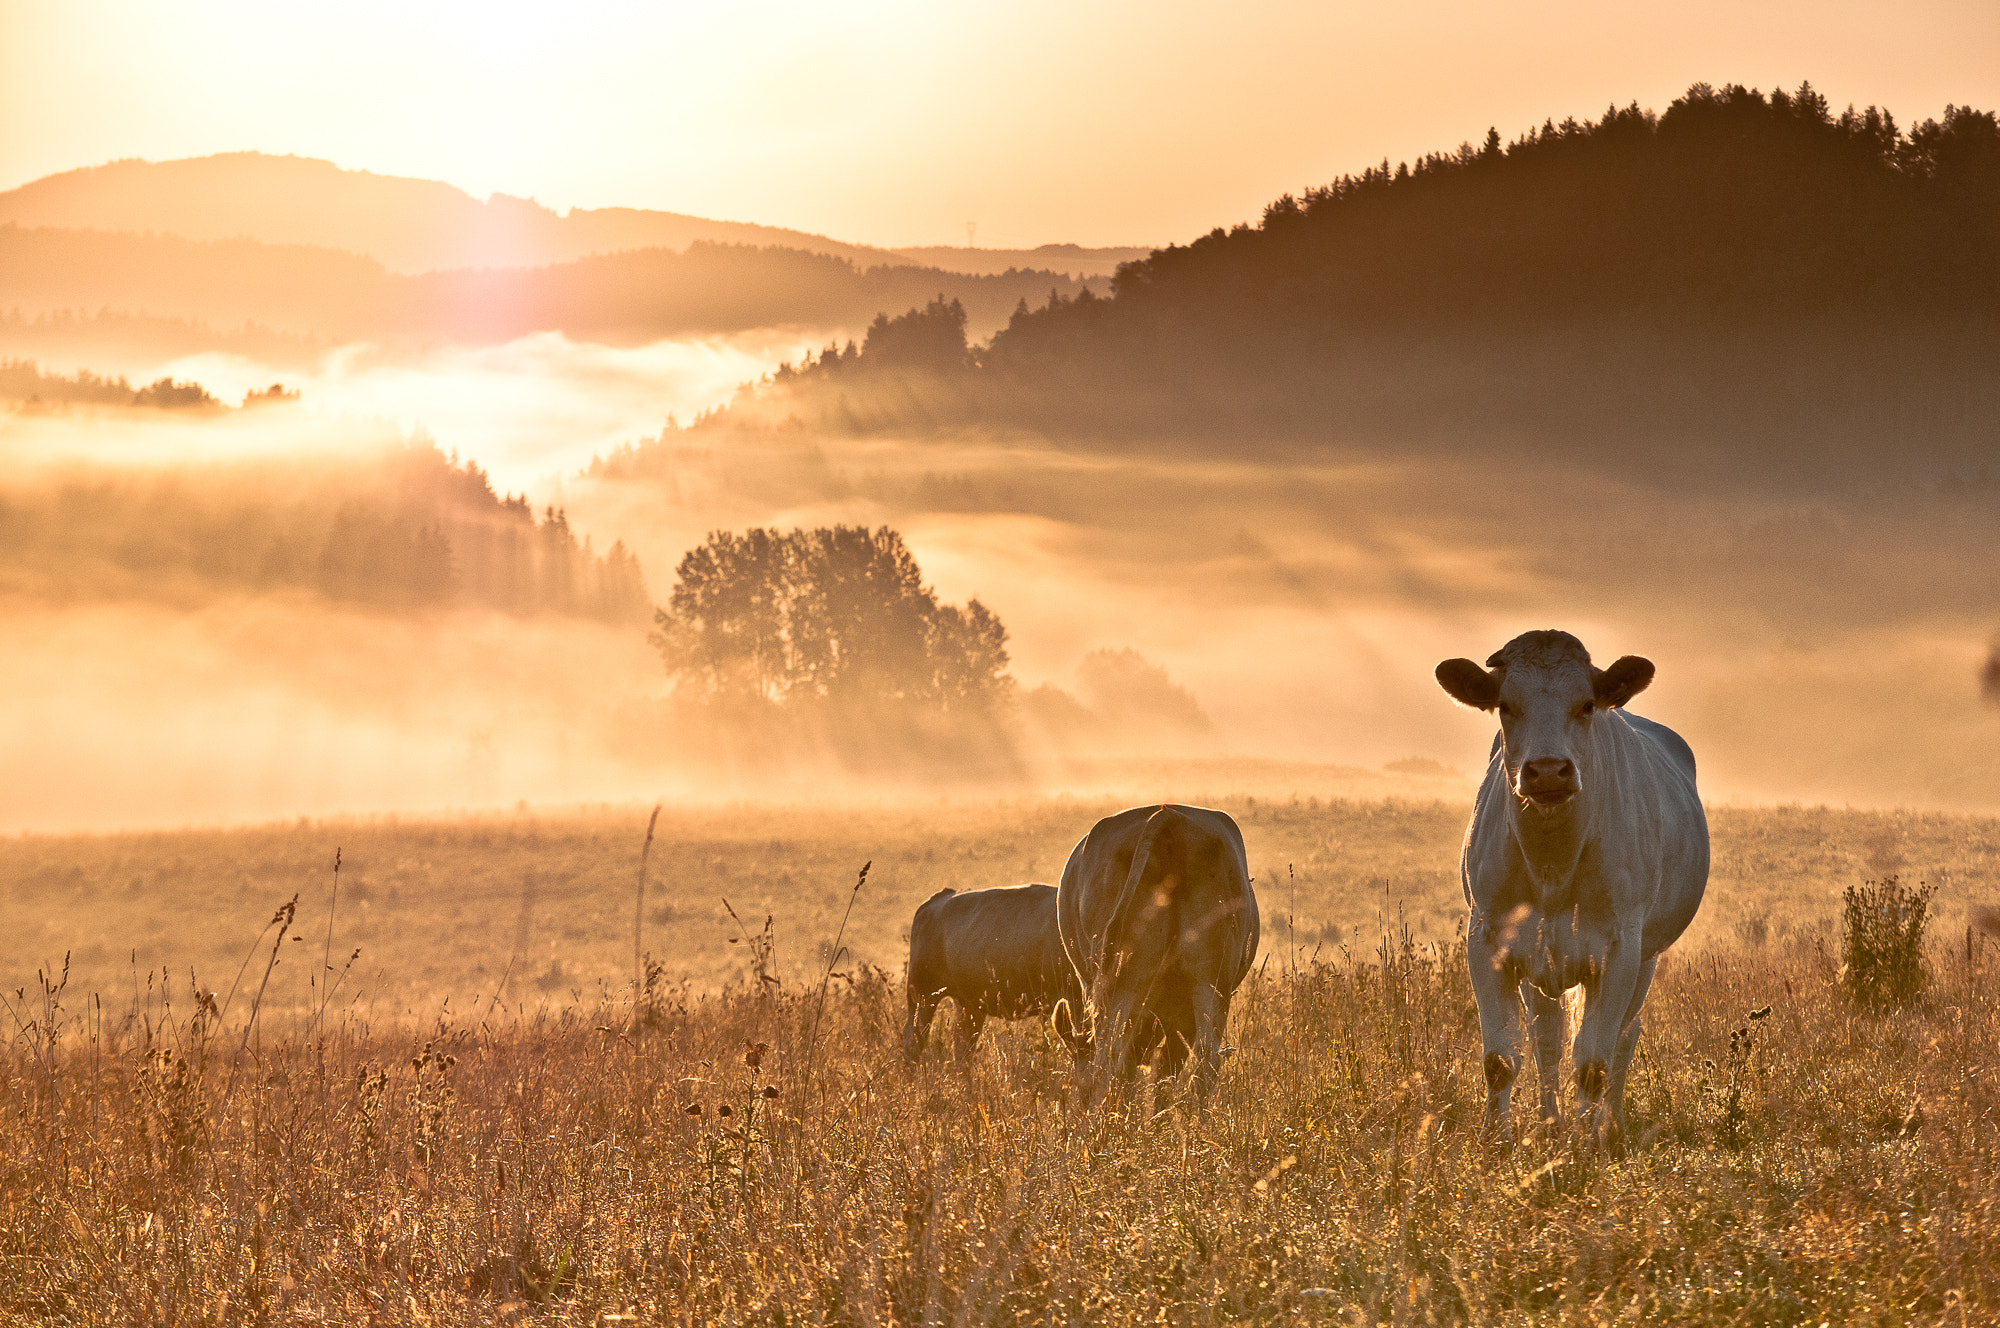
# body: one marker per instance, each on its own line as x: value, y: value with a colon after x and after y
x: 994, y: 952
x: 1586, y: 857
x: 1158, y: 917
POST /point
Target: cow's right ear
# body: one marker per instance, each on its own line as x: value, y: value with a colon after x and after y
x: 1468, y: 684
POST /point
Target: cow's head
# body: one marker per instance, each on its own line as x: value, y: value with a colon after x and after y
x: 1547, y: 694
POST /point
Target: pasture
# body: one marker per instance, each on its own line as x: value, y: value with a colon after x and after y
x: 483, y: 1124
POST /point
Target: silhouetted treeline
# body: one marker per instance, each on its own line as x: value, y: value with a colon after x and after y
x: 72, y: 334
x: 21, y: 380
x: 1741, y: 261
x: 413, y: 530
x: 627, y: 297
x: 928, y: 340
x: 1729, y: 205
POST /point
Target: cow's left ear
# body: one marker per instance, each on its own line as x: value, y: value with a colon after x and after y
x: 1626, y: 678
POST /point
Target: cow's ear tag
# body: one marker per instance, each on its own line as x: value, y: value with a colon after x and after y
x: 1628, y: 676
x: 1468, y: 684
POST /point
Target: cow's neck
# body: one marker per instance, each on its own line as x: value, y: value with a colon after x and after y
x: 1552, y: 846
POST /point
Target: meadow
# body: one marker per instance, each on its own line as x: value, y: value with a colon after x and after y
x: 482, y: 1121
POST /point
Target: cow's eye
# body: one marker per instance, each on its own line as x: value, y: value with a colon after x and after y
x: 1586, y: 710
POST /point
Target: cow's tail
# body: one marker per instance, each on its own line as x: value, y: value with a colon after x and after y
x: 1162, y: 842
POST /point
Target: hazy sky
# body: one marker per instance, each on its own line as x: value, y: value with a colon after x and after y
x: 897, y: 123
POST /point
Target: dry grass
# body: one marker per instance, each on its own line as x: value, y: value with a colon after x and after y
x: 515, y: 1163
x: 451, y: 909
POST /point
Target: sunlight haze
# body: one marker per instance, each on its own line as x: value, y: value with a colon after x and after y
x: 896, y: 124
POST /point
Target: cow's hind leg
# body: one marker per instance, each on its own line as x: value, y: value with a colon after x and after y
x: 1211, y: 1014
x: 1628, y: 1043
x: 1156, y: 1042
x: 1545, y: 1030
x: 1116, y: 1034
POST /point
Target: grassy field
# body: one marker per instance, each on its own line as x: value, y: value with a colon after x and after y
x: 539, y: 909
x: 544, y: 1147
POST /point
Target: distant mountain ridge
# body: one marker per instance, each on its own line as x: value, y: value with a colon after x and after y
x: 407, y: 225
x: 335, y: 295
x: 413, y: 226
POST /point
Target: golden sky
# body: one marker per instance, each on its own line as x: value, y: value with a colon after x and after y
x: 897, y: 123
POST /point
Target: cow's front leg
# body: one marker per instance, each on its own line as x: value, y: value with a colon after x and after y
x: 1545, y: 1031
x: 1628, y: 1042
x: 971, y: 1019
x: 1607, y: 997
x: 917, y: 1027
x: 1496, y: 982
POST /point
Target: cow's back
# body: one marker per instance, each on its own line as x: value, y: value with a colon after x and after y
x: 997, y: 947
x: 1099, y: 894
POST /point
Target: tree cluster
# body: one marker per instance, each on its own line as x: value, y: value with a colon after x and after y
x: 832, y: 635
x: 21, y: 380
x: 929, y: 340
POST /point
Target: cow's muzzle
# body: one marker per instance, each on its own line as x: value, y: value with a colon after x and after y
x: 1547, y: 782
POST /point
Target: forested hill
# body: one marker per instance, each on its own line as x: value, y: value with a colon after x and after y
x: 404, y: 530
x: 1729, y: 205
x: 1675, y: 262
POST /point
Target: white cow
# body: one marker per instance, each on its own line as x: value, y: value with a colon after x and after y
x: 1587, y: 855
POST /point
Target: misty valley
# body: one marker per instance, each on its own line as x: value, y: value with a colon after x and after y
x: 488, y: 688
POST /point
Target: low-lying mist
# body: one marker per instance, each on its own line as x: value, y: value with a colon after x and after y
x: 1814, y: 647
x: 529, y: 410
x: 1818, y: 646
